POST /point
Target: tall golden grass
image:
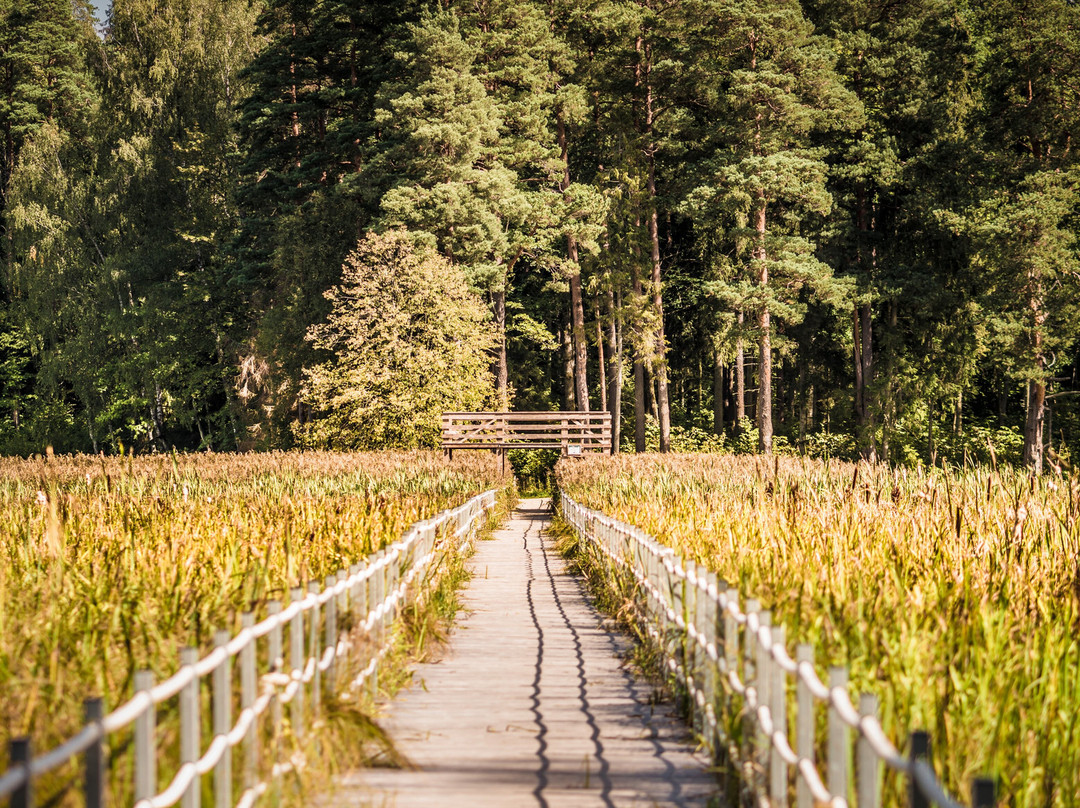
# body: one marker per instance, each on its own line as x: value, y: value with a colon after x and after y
x: 108, y: 566
x: 952, y: 595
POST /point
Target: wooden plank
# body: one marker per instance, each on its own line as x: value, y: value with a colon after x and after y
x: 560, y: 429
x: 524, y: 428
x: 550, y: 417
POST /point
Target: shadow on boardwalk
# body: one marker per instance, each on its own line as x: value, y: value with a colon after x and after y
x: 531, y: 706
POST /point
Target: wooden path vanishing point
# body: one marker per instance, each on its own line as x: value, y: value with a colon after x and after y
x: 531, y: 705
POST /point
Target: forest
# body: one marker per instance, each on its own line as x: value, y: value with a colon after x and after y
x: 839, y: 227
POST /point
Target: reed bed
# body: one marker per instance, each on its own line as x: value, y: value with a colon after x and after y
x: 108, y: 566
x: 952, y: 595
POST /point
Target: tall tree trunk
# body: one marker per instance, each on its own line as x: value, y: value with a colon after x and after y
x: 639, y: 360
x: 580, y: 344
x: 1033, y: 426
x: 740, y: 377
x: 863, y: 336
x: 568, y: 367
x: 663, y: 405
x: 931, y: 452
x: 600, y: 363
x: 502, y: 375
x: 890, y: 403
x: 650, y: 393
x: 1036, y: 409
x: 806, y: 397
x: 864, y: 369
x: 577, y: 309
x: 856, y: 348
x: 764, y: 396
x: 639, y: 405
x: 718, y: 392
x: 614, y: 380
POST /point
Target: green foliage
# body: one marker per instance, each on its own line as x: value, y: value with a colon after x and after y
x: 684, y: 438
x: 533, y: 469
x: 197, y: 176
x: 746, y: 437
x: 826, y: 445
x: 407, y: 341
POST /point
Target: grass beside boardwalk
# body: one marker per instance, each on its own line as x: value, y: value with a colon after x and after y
x: 108, y: 566
x: 953, y: 595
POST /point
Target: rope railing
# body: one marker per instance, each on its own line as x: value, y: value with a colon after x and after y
x: 733, y: 667
x: 371, y: 594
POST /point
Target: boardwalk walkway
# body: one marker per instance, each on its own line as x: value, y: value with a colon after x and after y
x: 531, y: 706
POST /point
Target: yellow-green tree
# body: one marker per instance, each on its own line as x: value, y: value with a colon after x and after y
x: 406, y: 340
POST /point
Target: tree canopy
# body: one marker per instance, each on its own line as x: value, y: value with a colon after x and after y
x: 845, y: 227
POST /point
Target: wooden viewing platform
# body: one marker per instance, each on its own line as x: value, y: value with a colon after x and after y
x: 572, y: 432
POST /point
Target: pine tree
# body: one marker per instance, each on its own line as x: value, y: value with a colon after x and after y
x: 303, y: 195
x: 782, y: 90
x: 522, y: 66
x: 1024, y: 239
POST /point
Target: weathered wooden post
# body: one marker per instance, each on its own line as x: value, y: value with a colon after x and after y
x: 778, y: 781
x: 983, y: 793
x: 839, y: 740
x: 330, y: 640
x: 764, y: 697
x: 94, y: 756
x: 378, y: 582
x: 686, y: 645
x: 313, y: 649
x: 868, y: 768
x: 247, y: 701
x: 709, y: 711
x: 750, y: 679
x: 20, y: 753
x: 145, y: 749
x: 296, y: 663
x: 804, y: 725
x: 190, y: 722
x: 919, y: 751
x: 222, y: 720
x: 277, y: 664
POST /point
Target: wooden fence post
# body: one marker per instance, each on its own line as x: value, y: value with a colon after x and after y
x: 750, y: 732
x: 222, y: 721
x: 804, y: 726
x: 247, y: 700
x: 839, y: 741
x: 276, y: 664
x: 330, y: 633
x: 296, y: 663
x: 778, y: 781
x: 145, y: 747
x: 313, y: 651
x: 983, y: 793
x: 868, y: 768
x: 190, y: 722
x: 710, y: 712
x: 919, y: 750
x: 764, y: 697
x: 94, y: 756
x: 20, y: 752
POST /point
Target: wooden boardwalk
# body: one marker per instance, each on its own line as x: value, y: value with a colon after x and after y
x: 531, y: 706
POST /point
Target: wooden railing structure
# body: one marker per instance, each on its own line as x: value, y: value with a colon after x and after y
x: 331, y: 637
x: 732, y: 667
x: 571, y: 432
